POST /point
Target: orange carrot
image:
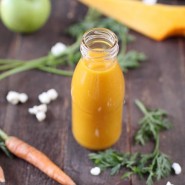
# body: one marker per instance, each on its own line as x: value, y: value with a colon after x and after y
x: 2, y: 178
x: 30, y: 154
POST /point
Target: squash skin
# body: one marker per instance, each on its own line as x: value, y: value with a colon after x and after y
x: 155, y: 21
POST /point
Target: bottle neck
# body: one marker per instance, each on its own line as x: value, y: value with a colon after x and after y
x: 99, y: 47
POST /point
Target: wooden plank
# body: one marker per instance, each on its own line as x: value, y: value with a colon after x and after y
x: 174, y: 2
x: 49, y: 136
x: 146, y: 84
x: 160, y: 83
x: 78, y: 164
x: 77, y: 161
x: 5, y: 40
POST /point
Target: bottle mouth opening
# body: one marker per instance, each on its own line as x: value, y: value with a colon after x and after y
x: 101, y: 41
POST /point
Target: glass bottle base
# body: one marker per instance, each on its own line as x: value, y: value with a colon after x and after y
x: 100, y: 146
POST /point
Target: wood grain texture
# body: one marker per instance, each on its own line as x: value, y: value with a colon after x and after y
x: 160, y: 82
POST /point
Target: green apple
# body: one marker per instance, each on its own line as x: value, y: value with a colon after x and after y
x: 0, y: 9
x: 25, y: 16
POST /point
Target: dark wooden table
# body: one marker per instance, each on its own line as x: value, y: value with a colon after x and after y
x: 159, y: 82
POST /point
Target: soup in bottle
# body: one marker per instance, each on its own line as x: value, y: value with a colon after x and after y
x: 97, y: 91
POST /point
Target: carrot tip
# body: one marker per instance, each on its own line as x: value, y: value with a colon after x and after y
x: 2, y: 178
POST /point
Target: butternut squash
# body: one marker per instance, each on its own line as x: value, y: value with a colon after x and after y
x: 155, y: 21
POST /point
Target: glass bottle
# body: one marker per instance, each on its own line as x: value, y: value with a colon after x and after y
x: 97, y: 90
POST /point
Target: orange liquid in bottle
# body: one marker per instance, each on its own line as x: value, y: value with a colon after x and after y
x: 97, y: 101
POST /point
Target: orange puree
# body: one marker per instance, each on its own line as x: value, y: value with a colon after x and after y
x: 97, y: 102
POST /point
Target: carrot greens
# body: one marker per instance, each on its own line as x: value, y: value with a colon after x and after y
x: 153, y: 166
x: 71, y: 55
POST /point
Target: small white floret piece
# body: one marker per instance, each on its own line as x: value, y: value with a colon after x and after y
x: 13, y: 97
x: 58, y: 48
x: 33, y: 110
x: 14, y: 101
x: 169, y: 183
x: 42, y: 108
x: 41, y: 116
x: 23, y: 97
x: 52, y: 94
x: 95, y: 171
x: 44, y: 98
x: 150, y: 2
x: 177, y: 168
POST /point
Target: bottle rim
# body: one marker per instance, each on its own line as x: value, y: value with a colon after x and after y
x: 100, y: 33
